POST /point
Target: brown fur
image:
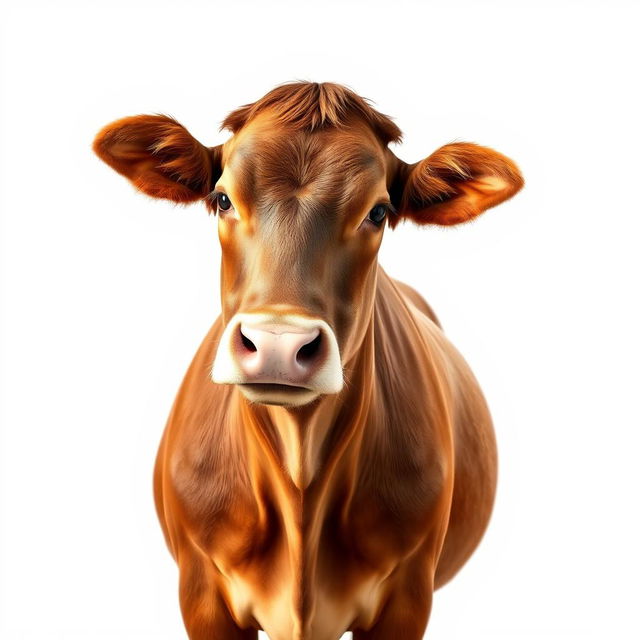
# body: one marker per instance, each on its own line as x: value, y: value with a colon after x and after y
x: 310, y: 106
x: 160, y: 157
x: 345, y: 513
x: 449, y: 187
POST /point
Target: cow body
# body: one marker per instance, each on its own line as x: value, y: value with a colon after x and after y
x: 310, y: 523
x: 329, y: 460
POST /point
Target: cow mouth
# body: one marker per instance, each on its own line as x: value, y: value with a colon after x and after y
x: 272, y: 386
x: 284, y: 395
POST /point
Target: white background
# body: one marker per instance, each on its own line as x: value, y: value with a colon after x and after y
x: 106, y: 294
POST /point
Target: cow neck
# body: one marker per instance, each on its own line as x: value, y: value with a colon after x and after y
x: 306, y: 444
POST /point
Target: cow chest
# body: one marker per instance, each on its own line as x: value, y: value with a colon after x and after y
x: 318, y: 559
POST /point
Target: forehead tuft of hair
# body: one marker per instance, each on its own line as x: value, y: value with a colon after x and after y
x: 313, y: 105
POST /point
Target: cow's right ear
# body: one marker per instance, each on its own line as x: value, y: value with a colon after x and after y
x: 160, y: 157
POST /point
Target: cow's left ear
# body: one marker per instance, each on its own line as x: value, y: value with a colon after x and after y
x: 453, y: 185
x: 160, y: 157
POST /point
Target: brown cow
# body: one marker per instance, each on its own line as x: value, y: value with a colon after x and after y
x: 341, y: 465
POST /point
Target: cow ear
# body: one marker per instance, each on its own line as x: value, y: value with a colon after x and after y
x: 453, y: 185
x: 160, y: 157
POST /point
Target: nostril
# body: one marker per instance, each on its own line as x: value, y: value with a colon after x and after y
x: 308, y: 351
x: 247, y: 343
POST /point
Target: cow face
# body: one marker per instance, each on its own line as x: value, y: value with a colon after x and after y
x: 301, y: 209
x: 300, y: 218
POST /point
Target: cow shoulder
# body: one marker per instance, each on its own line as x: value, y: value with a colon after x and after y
x: 203, y: 479
x: 405, y: 478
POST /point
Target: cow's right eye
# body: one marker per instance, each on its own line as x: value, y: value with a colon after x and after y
x: 224, y: 204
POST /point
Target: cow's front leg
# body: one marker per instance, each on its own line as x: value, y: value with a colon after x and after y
x: 204, y: 611
x: 406, y: 612
x: 399, y: 619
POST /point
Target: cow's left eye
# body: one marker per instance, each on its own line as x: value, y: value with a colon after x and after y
x: 378, y: 214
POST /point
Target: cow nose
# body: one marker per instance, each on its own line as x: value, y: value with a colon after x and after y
x: 284, y: 349
x: 278, y: 353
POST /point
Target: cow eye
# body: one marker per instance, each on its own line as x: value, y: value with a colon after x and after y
x: 224, y: 204
x: 378, y: 214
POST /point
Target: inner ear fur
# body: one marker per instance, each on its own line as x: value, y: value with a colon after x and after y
x: 454, y: 185
x: 160, y: 157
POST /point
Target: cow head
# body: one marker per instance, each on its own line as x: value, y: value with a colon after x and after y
x: 303, y: 191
